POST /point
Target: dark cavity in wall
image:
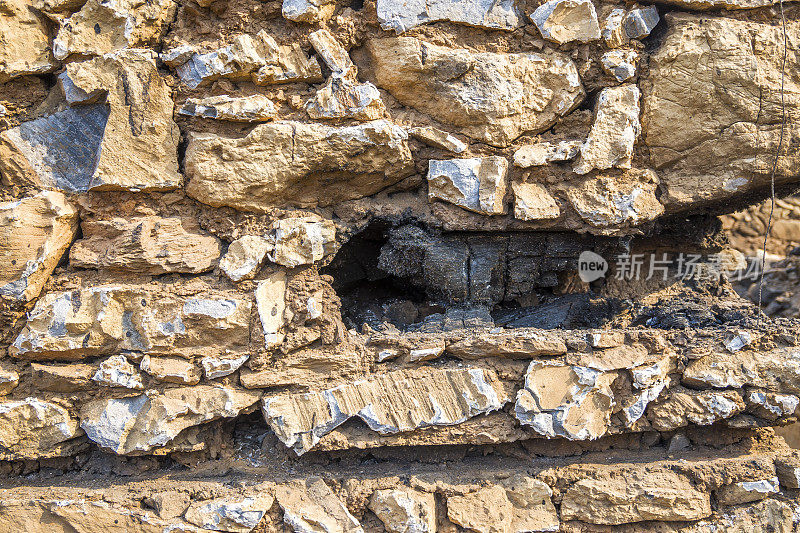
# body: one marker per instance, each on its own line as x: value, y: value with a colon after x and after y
x: 414, y: 278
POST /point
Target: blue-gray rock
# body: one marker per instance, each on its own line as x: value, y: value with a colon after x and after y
x: 61, y: 150
x: 117, y: 134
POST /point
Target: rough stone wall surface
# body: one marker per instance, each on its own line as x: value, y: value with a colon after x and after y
x: 321, y: 266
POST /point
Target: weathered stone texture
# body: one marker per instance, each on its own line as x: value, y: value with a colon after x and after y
x: 34, y: 234
x: 614, y: 132
x: 259, y: 59
x: 33, y: 428
x: 141, y: 423
x: 108, y: 319
x: 402, y: 16
x: 127, y: 142
x: 389, y: 403
x: 477, y: 184
x: 329, y: 267
x: 24, y: 41
x: 564, y: 21
x: 101, y: 27
x: 282, y: 163
x: 489, y: 96
x: 711, y: 108
x: 658, y: 495
x: 255, y: 108
x: 150, y: 245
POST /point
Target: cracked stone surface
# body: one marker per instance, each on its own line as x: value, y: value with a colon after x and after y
x: 278, y: 163
x: 739, y: 122
x: 490, y: 96
x: 391, y: 403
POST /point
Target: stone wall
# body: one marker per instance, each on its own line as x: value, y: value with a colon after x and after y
x: 321, y: 266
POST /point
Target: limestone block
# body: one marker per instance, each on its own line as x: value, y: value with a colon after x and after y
x: 485, y: 511
x: 309, y: 11
x: 678, y: 409
x: 244, y: 257
x: 639, y: 22
x: 533, y: 202
x: 341, y: 97
x: 271, y: 304
x: 217, y: 367
x: 625, y: 200
x: 402, y: 16
x: 492, y: 97
x: 405, y: 510
x: 613, y: 31
x: 654, y: 495
x: 141, y: 423
x: 105, y: 320
x: 788, y: 470
x: 255, y: 108
x: 533, y: 505
x: 311, y: 506
x: 747, y: 491
x: 477, y: 184
x: 296, y: 163
x: 24, y: 41
x: 518, y: 503
x: 169, y: 503
x: 438, y: 139
x: 129, y: 142
x: 614, y: 132
x: 620, y: 63
x: 332, y: 53
x: 260, y: 59
x: 236, y: 60
x: 629, y: 355
x: 116, y: 371
x: 539, y: 154
x: 711, y: 109
x: 171, y: 369
x: 35, y: 232
x: 769, y: 405
x: 388, y: 403
x: 565, y: 401
x: 63, y: 378
x: 148, y: 245
x: 100, y: 516
x: 286, y: 64
x: 103, y: 26
x: 564, y: 21
x: 776, y: 370
x: 34, y: 428
x: 302, y: 241
x: 236, y: 515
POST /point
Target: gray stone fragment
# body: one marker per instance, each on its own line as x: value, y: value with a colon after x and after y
x: 620, y: 63
x: 748, y: 491
x: 477, y: 184
x: 678, y: 442
x: 63, y: 148
x: 401, y: 15
x: 641, y: 21
x: 175, y: 57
